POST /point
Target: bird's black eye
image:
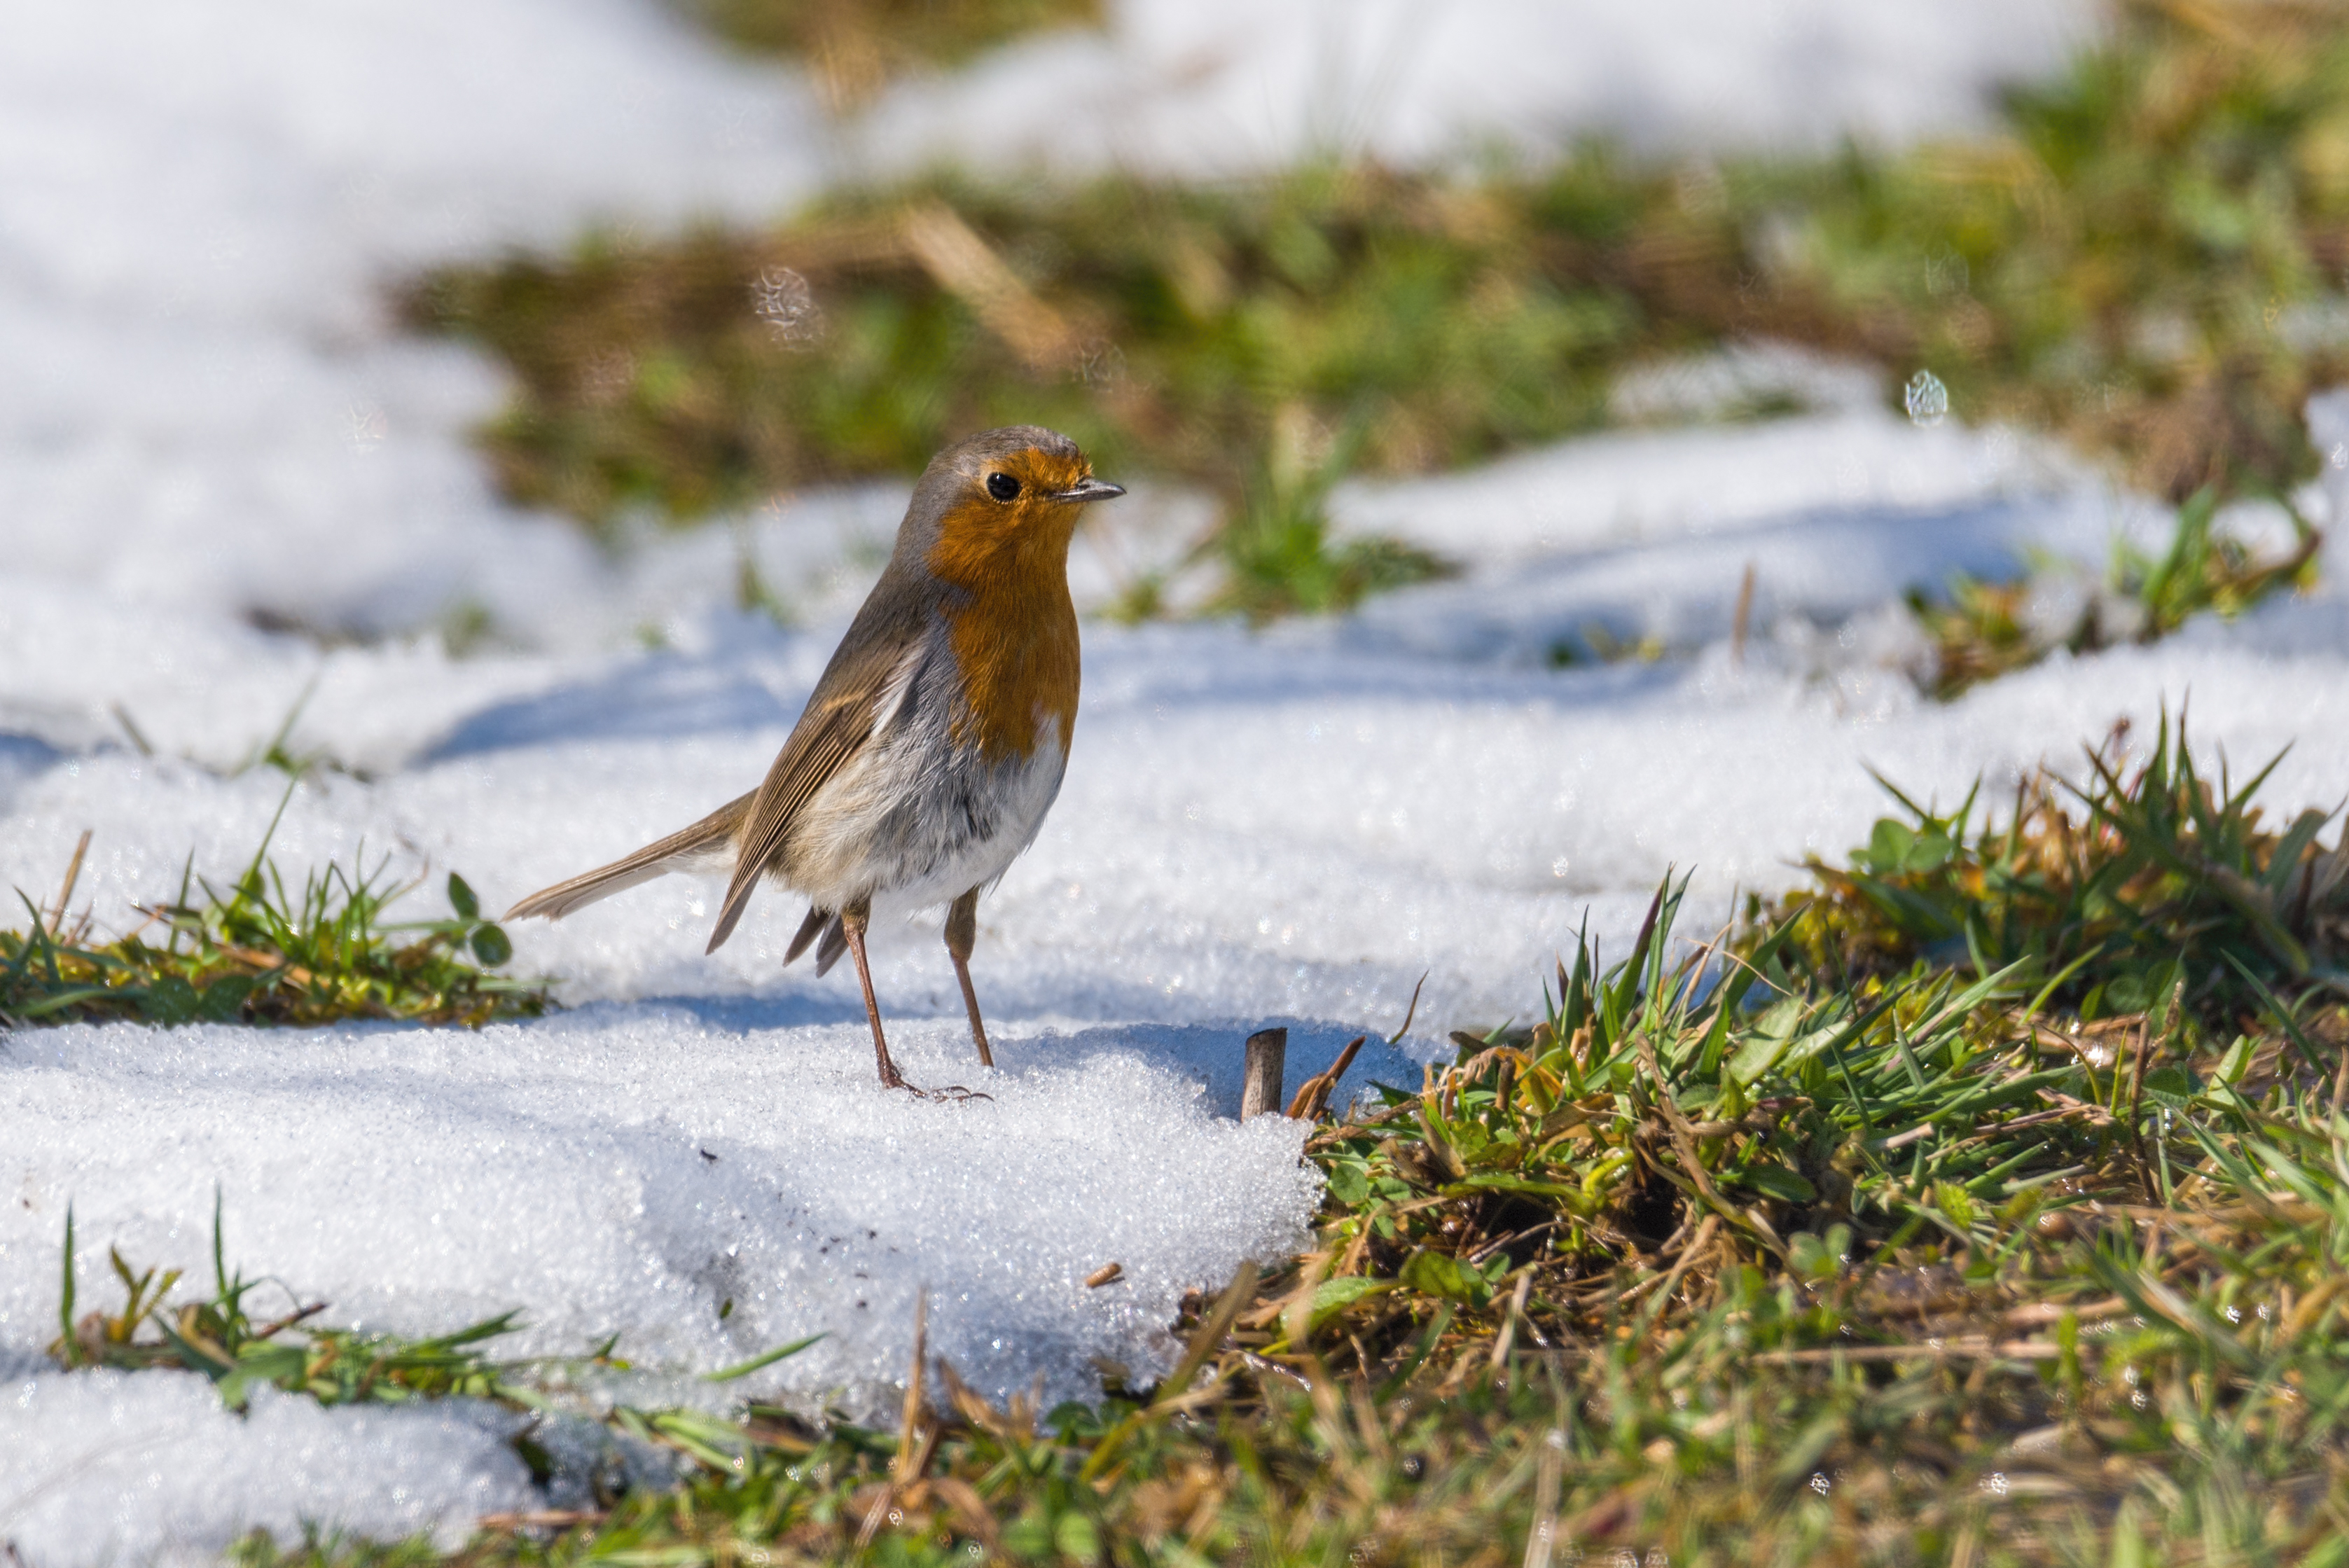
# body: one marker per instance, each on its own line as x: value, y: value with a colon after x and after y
x: 1003, y: 487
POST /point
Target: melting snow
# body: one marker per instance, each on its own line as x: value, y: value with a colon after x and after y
x: 209, y: 417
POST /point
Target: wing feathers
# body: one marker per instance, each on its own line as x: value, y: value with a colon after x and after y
x: 654, y: 860
x: 849, y: 704
x: 814, y: 755
x: 868, y: 678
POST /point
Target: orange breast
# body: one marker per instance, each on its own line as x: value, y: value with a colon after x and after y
x: 1015, y: 632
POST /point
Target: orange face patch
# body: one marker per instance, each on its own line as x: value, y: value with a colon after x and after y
x: 1009, y: 500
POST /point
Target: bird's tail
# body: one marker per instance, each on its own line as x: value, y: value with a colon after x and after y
x: 819, y: 922
x: 700, y: 847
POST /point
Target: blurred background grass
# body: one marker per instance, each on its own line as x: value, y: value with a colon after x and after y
x: 2143, y: 258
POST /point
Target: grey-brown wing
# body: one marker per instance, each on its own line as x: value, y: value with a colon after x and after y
x: 687, y: 844
x: 839, y: 721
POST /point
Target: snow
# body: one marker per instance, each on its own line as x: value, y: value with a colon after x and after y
x: 147, y: 1467
x: 757, y: 1188
x: 211, y: 427
x: 1214, y: 86
x: 1648, y: 534
x: 198, y: 206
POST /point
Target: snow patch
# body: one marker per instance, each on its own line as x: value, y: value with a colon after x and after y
x: 147, y: 1467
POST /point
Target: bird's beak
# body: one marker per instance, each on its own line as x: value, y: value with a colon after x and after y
x: 1090, y: 489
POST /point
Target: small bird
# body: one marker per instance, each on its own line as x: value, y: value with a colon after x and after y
x: 930, y: 752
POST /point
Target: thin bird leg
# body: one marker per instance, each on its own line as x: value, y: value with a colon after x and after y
x: 851, y: 925
x: 962, y: 930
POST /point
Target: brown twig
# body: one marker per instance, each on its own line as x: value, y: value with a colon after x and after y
x: 1508, y: 1335
x: 541, y: 1519
x: 1313, y: 1095
x: 1688, y: 1255
x: 73, y: 874
x: 1685, y: 1146
x: 289, y: 1320
x: 914, y: 1445
x: 1742, y: 619
x: 1948, y: 1350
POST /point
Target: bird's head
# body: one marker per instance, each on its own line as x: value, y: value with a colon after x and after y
x: 1003, y: 502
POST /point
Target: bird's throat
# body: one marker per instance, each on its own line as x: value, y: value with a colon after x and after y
x: 1013, y: 630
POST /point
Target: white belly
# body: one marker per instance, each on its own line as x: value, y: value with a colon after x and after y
x: 917, y: 820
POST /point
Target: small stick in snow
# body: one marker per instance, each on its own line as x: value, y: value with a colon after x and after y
x: 1740, y: 621
x: 1313, y: 1094
x: 1261, y: 1072
x: 130, y: 727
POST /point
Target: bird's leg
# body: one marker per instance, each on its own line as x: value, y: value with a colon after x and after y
x: 962, y: 930
x: 853, y: 921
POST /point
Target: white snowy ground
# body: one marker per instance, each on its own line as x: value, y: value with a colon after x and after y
x: 206, y: 418
x: 1290, y: 825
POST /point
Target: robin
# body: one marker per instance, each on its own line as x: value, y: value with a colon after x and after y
x: 930, y: 752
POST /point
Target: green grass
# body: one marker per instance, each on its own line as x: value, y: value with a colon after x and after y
x: 1277, y: 550
x: 1211, y: 333
x: 1981, y: 629
x: 2142, y: 257
x: 220, y: 1338
x: 1236, y: 336
x: 2139, y: 259
x: 1987, y: 1203
x: 263, y: 953
x: 2110, y: 896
